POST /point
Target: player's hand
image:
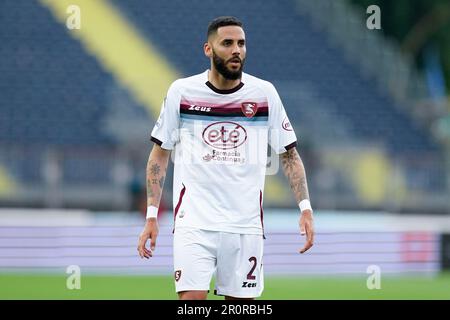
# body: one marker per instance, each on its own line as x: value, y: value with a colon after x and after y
x: 150, y: 231
x: 307, y: 227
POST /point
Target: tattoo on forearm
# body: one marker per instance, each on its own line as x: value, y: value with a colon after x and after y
x: 155, y: 182
x: 149, y: 190
x: 295, y: 172
x: 161, y: 181
x: 154, y: 169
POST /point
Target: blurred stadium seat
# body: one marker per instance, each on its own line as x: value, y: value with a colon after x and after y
x: 59, y: 103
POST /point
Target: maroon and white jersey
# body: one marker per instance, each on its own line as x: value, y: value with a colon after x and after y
x: 220, y: 140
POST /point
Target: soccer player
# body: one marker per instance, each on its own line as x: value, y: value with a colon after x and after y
x: 219, y: 124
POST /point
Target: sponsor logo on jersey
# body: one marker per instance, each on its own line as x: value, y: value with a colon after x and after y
x: 286, y: 125
x: 194, y: 107
x: 224, y: 135
x: 207, y: 157
x: 246, y: 284
x: 249, y: 108
x: 227, y: 156
x: 177, y: 275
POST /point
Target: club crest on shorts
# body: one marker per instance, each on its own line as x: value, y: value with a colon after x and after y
x: 249, y: 108
x: 177, y: 275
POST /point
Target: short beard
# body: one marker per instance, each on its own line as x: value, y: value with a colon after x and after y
x: 221, y: 67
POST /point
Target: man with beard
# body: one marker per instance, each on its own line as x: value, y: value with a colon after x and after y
x: 219, y: 124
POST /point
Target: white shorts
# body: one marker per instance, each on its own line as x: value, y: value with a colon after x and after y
x: 236, y: 259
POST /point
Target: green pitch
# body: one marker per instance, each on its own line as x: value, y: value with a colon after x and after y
x: 161, y: 287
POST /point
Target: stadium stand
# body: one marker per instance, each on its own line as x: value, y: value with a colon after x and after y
x: 281, y: 47
x: 59, y: 103
x: 54, y: 95
x: 285, y: 48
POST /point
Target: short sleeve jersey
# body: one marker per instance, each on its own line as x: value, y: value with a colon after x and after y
x: 220, y: 141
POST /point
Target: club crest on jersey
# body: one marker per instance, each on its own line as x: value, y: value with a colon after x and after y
x: 249, y: 108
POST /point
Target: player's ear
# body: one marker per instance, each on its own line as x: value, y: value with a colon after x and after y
x: 207, y: 49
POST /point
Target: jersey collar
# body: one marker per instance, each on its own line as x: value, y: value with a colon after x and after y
x: 220, y: 91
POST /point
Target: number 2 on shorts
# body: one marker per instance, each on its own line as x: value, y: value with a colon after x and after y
x: 250, y: 275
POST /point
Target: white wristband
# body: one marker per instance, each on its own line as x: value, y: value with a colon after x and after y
x: 305, y: 205
x: 152, y: 212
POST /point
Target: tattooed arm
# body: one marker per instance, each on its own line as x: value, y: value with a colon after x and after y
x: 295, y: 172
x: 156, y: 174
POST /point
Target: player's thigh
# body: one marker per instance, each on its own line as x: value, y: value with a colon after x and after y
x: 193, y: 295
x: 239, y: 266
x: 194, y: 259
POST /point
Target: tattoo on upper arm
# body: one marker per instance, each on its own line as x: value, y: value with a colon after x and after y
x: 295, y: 172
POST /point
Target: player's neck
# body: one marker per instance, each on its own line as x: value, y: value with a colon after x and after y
x: 218, y: 80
